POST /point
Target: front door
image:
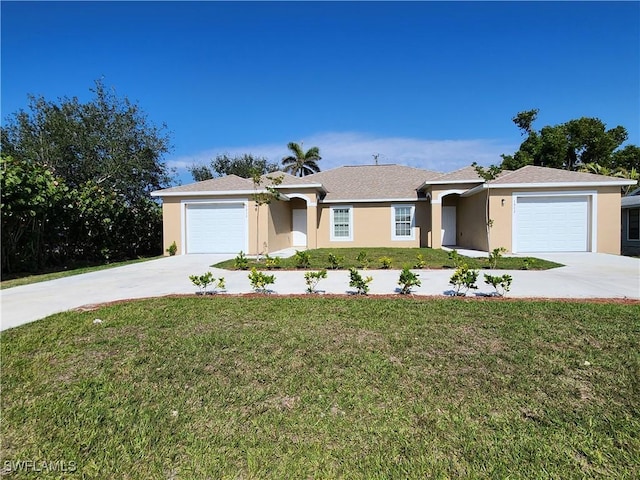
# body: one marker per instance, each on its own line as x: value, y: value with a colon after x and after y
x: 449, y: 226
x: 299, y: 227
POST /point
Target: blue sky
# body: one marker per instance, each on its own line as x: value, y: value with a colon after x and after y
x: 426, y: 84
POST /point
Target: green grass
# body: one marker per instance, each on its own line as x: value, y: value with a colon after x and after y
x: 27, y: 278
x: 434, y: 258
x: 313, y: 387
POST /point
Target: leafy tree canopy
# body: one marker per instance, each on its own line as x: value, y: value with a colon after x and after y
x: 245, y: 166
x: 568, y: 145
x: 107, y: 140
x: 301, y: 163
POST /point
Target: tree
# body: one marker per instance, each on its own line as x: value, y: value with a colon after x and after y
x: 75, y: 182
x: 567, y: 145
x: 245, y: 166
x: 301, y: 163
x: 107, y: 140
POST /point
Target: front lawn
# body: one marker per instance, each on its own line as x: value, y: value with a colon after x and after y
x: 432, y: 258
x: 316, y: 387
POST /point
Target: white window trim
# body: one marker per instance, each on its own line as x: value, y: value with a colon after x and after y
x: 412, y: 236
x: 332, y: 237
x: 593, y: 213
x: 629, y: 239
x: 183, y: 219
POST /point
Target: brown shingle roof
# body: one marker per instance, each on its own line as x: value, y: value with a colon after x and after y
x: 543, y: 175
x: 372, y: 182
x: 219, y: 184
x: 467, y: 175
x: 288, y: 179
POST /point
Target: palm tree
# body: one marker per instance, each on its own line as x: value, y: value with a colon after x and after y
x: 301, y: 163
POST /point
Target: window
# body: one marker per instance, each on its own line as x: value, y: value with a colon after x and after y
x: 402, y: 222
x: 633, y: 224
x: 342, y: 224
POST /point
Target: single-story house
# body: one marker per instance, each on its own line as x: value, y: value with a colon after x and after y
x: 631, y: 223
x: 532, y: 209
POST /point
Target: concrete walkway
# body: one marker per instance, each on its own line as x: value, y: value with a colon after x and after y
x: 586, y: 275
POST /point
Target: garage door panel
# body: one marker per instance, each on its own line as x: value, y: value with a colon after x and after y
x: 552, y: 224
x: 216, y: 228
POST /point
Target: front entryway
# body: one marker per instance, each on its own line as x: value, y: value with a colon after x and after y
x: 449, y: 225
x: 299, y: 227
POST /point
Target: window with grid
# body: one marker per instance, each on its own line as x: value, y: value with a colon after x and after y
x: 633, y: 224
x: 341, y: 223
x: 403, y: 222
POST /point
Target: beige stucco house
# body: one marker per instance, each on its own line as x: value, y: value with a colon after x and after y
x: 533, y: 209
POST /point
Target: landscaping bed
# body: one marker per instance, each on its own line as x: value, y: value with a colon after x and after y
x: 395, y: 258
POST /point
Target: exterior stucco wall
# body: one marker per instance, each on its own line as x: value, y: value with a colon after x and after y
x: 609, y: 220
x: 372, y: 226
x: 607, y: 215
x: 171, y: 224
x: 279, y: 226
x: 471, y: 222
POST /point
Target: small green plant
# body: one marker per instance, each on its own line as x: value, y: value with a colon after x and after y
x: 335, y: 261
x: 456, y: 258
x: 313, y: 278
x: 420, y: 261
x: 206, y: 279
x: 494, y: 256
x: 528, y: 263
x: 241, y: 262
x: 271, y: 262
x: 363, y: 259
x: 408, y: 279
x: 302, y: 259
x: 173, y: 249
x: 385, y: 262
x: 361, y: 284
x: 501, y: 284
x: 260, y: 280
x: 464, y: 279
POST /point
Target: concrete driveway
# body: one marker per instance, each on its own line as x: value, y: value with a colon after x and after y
x: 586, y: 275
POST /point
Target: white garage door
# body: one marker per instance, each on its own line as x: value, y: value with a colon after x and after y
x: 216, y: 227
x: 552, y: 224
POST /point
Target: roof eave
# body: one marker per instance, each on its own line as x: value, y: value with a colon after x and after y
x: 615, y: 183
x: 209, y: 193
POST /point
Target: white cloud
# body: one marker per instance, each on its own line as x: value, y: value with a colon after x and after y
x: 351, y: 148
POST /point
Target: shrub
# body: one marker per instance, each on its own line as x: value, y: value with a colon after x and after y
x: 271, y: 262
x: 501, y: 284
x: 303, y: 259
x: 456, y: 258
x: 385, y: 262
x: 528, y: 263
x: 173, y: 249
x: 420, y: 261
x: 494, y: 256
x: 356, y: 280
x: 206, y: 279
x: 241, y: 262
x: 363, y: 259
x: 260, y: 280
x: 407, y: 280
x: 464, y: 279
x: 312, y: 279
x: 335, y: 262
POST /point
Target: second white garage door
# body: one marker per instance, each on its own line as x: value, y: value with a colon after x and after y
x: 216, y: 227
x: 552, y: 224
